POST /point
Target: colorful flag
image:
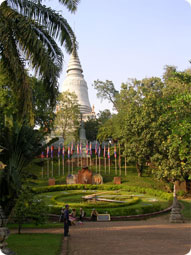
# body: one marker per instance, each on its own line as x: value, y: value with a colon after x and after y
x: 68, y: 151
x: 99, y: 151
x: 63, y: 152
x: 87, y: 149
x: 58, y: 151
x: 42, y: 154
x: 90, y: 148
x: 104, y: 151
x: 47, y: 151
x: 78, y: 149
x: 115, y: 152
x: 108, y: 153
x: 96, y: 148
x: 72, y: 148
x: 52, y: 151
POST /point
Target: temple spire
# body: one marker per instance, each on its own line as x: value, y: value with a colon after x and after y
x: 75, y: 82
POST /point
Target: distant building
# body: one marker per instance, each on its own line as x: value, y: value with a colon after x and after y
x: 76, y: 83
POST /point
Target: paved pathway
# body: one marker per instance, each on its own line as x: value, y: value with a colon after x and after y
x: 128, y: 237
x: 150, y: 237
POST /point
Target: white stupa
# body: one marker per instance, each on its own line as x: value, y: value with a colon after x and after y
x: 75, y: 82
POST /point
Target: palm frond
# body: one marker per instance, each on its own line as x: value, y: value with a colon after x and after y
x: 57, y: 26
x: 12, y: 62
x: 71, y: 5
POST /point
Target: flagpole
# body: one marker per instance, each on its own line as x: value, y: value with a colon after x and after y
x: 81, y: 153
x: 63, y: 151
x: 115, y: 166
x: 108, y: 153
x: 87, y: 154
x: 59, y: 167
x: 99, y: 164
x: 71, y: 157
x: 125, y: 166
x: 125, y: 161
x: 42, y: 169
x: 78, y: 150
x: 48, y: 168
x: 52, y: 167
x: 52, y: 151
x: 90, y: 153
x: 105, y: 164
x: 104, y: 158
x: 47, y: 155
x: 63, y: 166
x: 109, y: 166
x: 119, y: 161
x: 96, y: 164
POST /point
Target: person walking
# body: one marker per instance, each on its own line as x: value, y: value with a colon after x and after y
x: 66, y: 222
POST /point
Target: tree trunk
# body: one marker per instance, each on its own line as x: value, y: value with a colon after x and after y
x: 139, y: 169
x: 19, y: 228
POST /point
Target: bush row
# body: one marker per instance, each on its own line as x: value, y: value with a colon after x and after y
x: 96, y: 204
x: 135, y: 209
x: 157, y: 193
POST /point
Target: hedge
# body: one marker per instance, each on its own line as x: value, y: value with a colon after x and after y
x: 157, y: 193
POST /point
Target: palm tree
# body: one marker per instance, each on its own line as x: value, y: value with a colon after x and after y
x: 28, y: 31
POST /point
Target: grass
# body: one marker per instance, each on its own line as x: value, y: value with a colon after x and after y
x: 35, y: 244
x: 131, y: 178
x: 186, y: 211
x: 144, y: 203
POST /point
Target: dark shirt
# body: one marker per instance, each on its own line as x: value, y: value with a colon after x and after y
x: 66, y: 215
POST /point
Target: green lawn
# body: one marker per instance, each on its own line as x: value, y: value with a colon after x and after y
x: 134, y: 203
x: 131, y: 178
x: 35, y: 244
x: 186, y: 211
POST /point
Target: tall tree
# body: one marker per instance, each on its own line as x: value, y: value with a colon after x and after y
x: 106, y: 90
x: 28, y: 30
x: 92, y: 125
x: 67, y: 118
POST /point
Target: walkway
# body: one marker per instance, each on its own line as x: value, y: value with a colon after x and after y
x: 128, y: 237
x: 150, y: 237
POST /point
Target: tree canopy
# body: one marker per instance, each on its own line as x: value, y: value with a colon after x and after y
x: 153, y: 124
x: 67, y: 118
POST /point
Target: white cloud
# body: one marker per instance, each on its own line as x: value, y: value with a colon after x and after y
x: 188, y: 1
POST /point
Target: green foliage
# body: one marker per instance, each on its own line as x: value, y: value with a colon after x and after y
x: 74, y: 198
x: 28, y: 34
x: 186, y: 204
x: 42, y: 107
x: 141, y: 190
x: 67, y: 118
x: 106, y: 90
x: 29, y: 208
x: 92, y: 125
x: 22, y: 144
x: 153, y: 124
x: 139, y: 203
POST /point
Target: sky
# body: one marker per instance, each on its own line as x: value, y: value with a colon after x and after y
x: 122, y: 39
